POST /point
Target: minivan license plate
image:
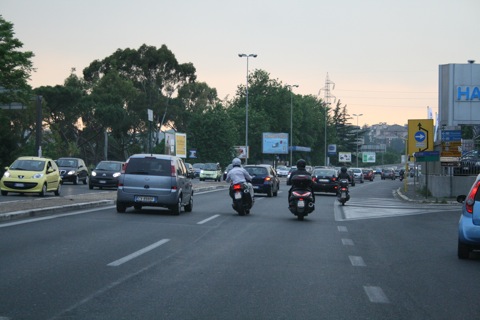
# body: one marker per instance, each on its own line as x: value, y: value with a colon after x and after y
x: 145, y: 199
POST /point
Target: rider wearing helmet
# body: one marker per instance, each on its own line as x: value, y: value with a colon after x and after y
x: 344, y: 174
x: 301, y: 165
x: 239, y: 175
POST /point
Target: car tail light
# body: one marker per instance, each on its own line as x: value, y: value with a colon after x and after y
x: 470, y: 201
x: 334, y: 179
x: 172, y: 169
x: 267, y: 179
x: 314, y: 179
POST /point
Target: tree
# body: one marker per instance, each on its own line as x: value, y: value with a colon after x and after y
x: 15, y: 69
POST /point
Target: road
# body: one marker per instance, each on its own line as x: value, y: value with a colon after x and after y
x: 376, y: 258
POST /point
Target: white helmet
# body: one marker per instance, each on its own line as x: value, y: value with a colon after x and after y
x: 236, y: 162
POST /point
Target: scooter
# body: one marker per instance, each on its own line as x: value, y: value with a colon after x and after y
x: 342, y: 194
x: 301, y: 199
x: 242, y: 200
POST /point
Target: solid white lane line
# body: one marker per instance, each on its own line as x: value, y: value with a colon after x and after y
x: 347, y: 242
x: 375, y: 294
x: 357, y: 261
x: 138, y: 253
x: 342, y: 229
x: 208, y: 219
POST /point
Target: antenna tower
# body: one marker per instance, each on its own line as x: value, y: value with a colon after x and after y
x: 327, y: 97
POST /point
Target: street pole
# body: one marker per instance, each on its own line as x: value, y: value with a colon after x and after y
x: 242, y: 55
x: 358, y: 129
x: 291, y: 122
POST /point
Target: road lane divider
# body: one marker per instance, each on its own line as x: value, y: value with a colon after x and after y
x: 138, y: 253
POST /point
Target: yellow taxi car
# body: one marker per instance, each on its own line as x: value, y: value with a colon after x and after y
x: 31, y: 175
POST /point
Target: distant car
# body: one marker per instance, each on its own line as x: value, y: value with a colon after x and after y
x: 155, y: 180
x: 211, y: 171
x: 227, y: 169
x: 198, y: 167
x: 358, y: 174
x: 368, y: 174
x: 469, y: 223
x: 289, y: 172
x: 265, y: 179
x: 282, y: 171
x: 31, y: 175
x: 388, y: 174
x: 352, y: 177
x: 72, y: 170
x: 190, y: 169
x: 325, y: 180
x: 469, y: 164
x: 105, y: 174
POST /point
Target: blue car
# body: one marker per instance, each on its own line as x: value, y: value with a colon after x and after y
x: 469, y: 224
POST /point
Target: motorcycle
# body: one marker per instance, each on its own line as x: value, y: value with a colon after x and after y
x: 301, y: 199
x: 342, y: 194
x: 242, y: 200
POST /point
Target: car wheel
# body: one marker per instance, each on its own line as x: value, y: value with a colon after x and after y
x: 90, y: 187
x: 57, y: 192
x: 75, y: 181
x: 270, y: 192
x: 189, y: 206
x: 463, y: 250
x: 276, y: 191
x: 176, y: 209
x: 86, y: 180
x: 121, y: 208
x: 44, y: 190
x: 4, y: 193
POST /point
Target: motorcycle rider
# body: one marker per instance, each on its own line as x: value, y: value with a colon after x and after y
x: 301, y: 165
x: 239, y: 175
x: 344, y: 175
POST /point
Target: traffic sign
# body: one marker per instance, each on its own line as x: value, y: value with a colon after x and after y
x: 420, y: 135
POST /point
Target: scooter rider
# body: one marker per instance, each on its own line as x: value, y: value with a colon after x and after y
x: 301, y: 165
x: 239, y: 175
x: 344, y: 175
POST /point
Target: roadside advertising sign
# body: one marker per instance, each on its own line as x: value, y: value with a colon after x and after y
x: 368, y: 157
x: 275, y: 143
x: 345, y: 157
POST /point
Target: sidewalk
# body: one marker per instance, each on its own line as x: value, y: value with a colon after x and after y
x: 412, y: 193
x: 33, y: 205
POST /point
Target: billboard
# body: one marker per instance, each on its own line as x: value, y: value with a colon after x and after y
x: 368, y: 157
x: 275, y: 143
x: 345, y: 157
x: 181, y: 143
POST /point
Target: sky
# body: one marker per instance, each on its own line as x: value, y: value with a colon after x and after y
x: 381, y: 56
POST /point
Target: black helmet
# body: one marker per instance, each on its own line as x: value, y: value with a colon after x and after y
x: 343, y: 169
x: 301, y: 164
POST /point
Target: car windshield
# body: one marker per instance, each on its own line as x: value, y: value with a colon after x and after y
x: 198, y: 165
x: 67, y: 163
x: 109, y: 166
x: 149, y: 166
x: 324, y: 173
x: 257, y: 171
x: 210, y: 166
x: 28, y: 165
x: 356, y: 170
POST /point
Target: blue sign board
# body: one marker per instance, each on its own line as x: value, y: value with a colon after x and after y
x: 420, y: 136
x: 451, y: 135
x: 275, y: 143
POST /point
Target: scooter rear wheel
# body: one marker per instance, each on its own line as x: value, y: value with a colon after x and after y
x: 300, y: 217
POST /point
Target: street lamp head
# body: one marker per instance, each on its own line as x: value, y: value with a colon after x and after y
x: 253, y: 55
x: 242, y: 55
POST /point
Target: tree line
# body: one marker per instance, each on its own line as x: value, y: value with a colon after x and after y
x: 108, y: 105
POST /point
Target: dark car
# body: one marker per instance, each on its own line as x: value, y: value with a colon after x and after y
x: 72, y: 170
x: 227, y: 169
x: 352, y: 177
x: 325, y: 180
x: 469, y: 164
x: 190, y: 169
x: 368, y: 174
x: 198, y: 167
x: 105, y: 174
x: 264, y: 179
x: 388, y: 174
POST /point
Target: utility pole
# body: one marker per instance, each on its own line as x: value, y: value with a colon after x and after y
x: 327, y: 97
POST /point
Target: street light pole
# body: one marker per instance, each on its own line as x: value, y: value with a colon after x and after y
x: 291, y: 121
x: 357, y: 115
x: 242, y: 55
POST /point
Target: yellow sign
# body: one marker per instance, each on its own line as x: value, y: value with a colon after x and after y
x: 181, y: 143
x: 420, y: 135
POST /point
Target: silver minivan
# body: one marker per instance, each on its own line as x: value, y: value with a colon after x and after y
x: 155, y: 180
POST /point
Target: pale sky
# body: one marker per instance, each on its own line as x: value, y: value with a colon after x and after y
x: 382, y: 55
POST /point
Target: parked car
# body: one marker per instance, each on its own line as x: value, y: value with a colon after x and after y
x: 388, y: 174
x: 227, y: 169
x: 469, y: 164
x: 368, y: 174
x: 352, y: 177
x: 31, y: 175
x: 469, y: 223
x: 211, y: 171
x: 357, y: 174
x: 73, y: 170
x: 198, y: 167
x: 155, y: 180
x: 105, y: 174
x: 265, y: 179
x: 282, y: 171
x: 325, y: 180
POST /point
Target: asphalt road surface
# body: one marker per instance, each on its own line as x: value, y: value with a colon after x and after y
x: 378, y: 257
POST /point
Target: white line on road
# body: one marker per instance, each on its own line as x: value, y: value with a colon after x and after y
x: 208, y: 219
x: 375, y: 294
x: 342, y: 229
x: 138, y: 253
x: 347, y: 242
x: 357, y: 261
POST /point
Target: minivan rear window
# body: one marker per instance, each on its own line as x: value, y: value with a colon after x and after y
x: 149, y: 166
